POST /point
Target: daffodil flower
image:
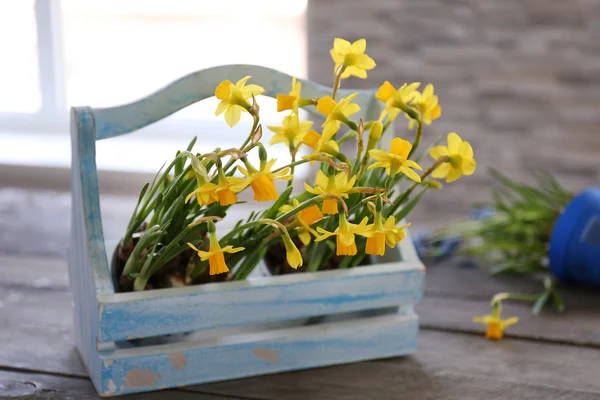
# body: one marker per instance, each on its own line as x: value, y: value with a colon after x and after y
x: 380, y: 233
x: 292, y: 100
x: 396, y: 160
x: 396, y: 100
x: 461, y: 159
x: 338, y: 185
x: 262, y: 182
x: 234, y: 99
x: 227, y: 187
x: 214, y: 255
x: 427, y: 107
x: 495, y: 324
x: 206, y: 194
x: 291, y: 132
x: 305, y: 219
x: 337, y: 113
x: 321, y: 144
x: 292, y: 254
x: 345, y: 239
x: 353, y: 57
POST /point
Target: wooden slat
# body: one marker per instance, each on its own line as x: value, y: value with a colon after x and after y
x: 30, y: 386
x: 219, y: 359
x: 134, y: 315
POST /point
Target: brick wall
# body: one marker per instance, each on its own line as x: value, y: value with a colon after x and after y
x: 519, y: 79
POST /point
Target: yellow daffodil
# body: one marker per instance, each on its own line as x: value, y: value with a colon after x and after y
x: 381, y: 233
x: 396, y: 160
x: 461, y: 159
x: 305, y: 219
x: 291, y: 132
x: 345, y: 239
x: 214, y: 255
x: 353, y: 57
x: 290, y: 101
x: 320, y: 143
x: 227, y: 187
x: 262, y: 182
x: 495, y: 324
x: 337, y: 113
x: 338, y: 185
x: 393, y: 234
x: 205, y: 194
x: 427, y: 107
x: 396, y: 100
x: 234, y: 99
x: 292, y: 254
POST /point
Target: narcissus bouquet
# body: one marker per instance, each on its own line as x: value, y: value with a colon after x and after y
x: 353, y: 208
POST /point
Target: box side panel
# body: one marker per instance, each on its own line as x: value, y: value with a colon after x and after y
x: 325, y: 344
x: 85, y: 249
x: 252, y: 302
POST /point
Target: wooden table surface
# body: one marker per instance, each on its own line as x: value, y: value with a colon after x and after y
x: 552, y: 356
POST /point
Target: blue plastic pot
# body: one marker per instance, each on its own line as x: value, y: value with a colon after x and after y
x: 574, y: 253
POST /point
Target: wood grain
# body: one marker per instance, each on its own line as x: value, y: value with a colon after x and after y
x: 377, y: 380
x: 31, y: 341
x: 453, y: 295
x: 30, y: 386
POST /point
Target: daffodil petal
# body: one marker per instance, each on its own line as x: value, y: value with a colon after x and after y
x: 442, y: 171
x: 379, y: 155
x: 354, y: 71
x: 438, y: 152
x: 510, y: 321
x: 365, y: 62
x: 454, y: 142
x: 221, y: 107
x: 410, y: 173
x: 341, y: 46
x: 252, y: 90
x: 337, y: 58
x: 352, y: 109
x: 322, y: 180
x: 412, y: 164
x: 233, y: 115
x: 465, y: 150
x: 240, y: 84
x: 468, y: 166
x: 454, y: 174
x: 229, y: 249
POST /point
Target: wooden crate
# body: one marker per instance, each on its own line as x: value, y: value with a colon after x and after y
x: 133, y: 342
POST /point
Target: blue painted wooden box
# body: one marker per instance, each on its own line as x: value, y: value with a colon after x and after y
x: 242, y: 328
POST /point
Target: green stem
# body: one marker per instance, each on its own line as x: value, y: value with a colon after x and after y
x: 254, y: 126
x: 417, y: 138
x: 290, y: 165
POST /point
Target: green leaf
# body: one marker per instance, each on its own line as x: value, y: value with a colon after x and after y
x: 409, y: 206
x: 283, y: 198
x: 541, y: 301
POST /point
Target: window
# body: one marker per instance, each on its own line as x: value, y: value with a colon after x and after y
x: 63, y: 53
